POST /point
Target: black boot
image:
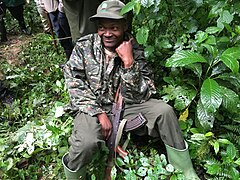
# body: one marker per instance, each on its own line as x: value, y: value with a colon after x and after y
x: 4, y: 38
x: 3, y: 31
x: 23, y: 28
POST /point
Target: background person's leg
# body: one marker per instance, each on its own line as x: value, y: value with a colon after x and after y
x: 44, y: 17
x: 66, y: 43
x: 2, y: 23
x: 77, y: 13
x: 17, y: 13
x: 3, y: 30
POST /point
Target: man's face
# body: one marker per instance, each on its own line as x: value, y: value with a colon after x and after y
x: 111, y: 32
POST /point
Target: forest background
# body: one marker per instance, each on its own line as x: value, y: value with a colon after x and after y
x: 194, y: 48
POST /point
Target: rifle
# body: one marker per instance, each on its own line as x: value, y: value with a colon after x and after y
x: 119, y: 126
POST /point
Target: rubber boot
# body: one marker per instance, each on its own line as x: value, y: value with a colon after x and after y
x: 23, y: 28
x: 73, y: 175
x: 180, y: 159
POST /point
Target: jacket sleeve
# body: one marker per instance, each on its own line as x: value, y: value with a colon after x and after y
x: 81, y: 96
x: 137, y: 84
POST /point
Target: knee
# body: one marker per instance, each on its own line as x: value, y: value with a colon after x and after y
x: 164, y: 109
x: 166, y: 115
x: 83, y: 144
x: 81, y: 152
x: 90, y: 146
x: 167, y: 109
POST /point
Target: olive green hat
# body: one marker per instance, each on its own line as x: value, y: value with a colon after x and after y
x: 109, y: 9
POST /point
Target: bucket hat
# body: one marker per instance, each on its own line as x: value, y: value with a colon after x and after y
x: 110, y: 9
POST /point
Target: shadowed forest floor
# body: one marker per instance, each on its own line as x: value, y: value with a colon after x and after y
x: 11, y: 49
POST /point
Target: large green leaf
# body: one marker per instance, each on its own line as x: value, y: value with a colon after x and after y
x: 234, y: 52
x: 196, y: 68
x: 142, y: 171
x: 184, y: 97
x: 229, y: 58
x: 234, y: 79
x: 9, y: 163
x: 219, y: 69
x: 148, y: 51
x: 142, y: 35
x: 225, y: 17
x: 201, y: 36
x: 213, y: 169
x: 211, y: 49
x: 147, y: 3
x: 183, y: 58
x: 216, y: 147
x: 230, y: 100
x: 234, y: 172
x: 206, y: 119
x: 169, y: 92
x: 231, y: 151
x: 129, y: 6
x: 237, y: 161
x: 230, y: 62
x: 165, y: 44
x: 211, y: 95
x: 213, y: 30
x: 211, y: 40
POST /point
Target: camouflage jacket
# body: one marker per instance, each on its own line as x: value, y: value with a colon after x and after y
x: 92, y: 84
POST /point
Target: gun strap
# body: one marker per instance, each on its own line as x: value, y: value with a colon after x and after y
x: 119, y: 103
x: 118, y: 98
x: 125, y: 144
x: 120, y: 132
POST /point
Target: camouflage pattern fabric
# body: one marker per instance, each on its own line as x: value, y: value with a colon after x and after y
x: 92, y: 84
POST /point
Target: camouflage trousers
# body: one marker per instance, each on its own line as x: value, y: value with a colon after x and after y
x: 86, y: 138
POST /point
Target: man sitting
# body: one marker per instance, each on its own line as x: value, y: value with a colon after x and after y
x: 101, y: 64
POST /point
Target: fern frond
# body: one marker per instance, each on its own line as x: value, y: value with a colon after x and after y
x: 234, y: 128
x: 203, y: 151
x: 234, y: 138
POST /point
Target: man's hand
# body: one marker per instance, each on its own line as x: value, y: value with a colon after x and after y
x: 124, y: 51
x: 106, y: 125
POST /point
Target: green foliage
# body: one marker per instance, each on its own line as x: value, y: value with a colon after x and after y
x: 34, y: 138
x: 232, y: 132
x: 194, y: 49
x: 212, y: 57
x: 138, y: 165
x: 224, y: 162
x: 31, y: 17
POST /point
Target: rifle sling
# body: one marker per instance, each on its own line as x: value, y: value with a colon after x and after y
x: 120, y: 132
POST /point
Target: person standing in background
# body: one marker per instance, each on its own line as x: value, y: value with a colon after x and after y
x: 16, y: 8
x: 2, y: 25
x: 78, y: 13
x: 44, y: 16
x: 60, y: 24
